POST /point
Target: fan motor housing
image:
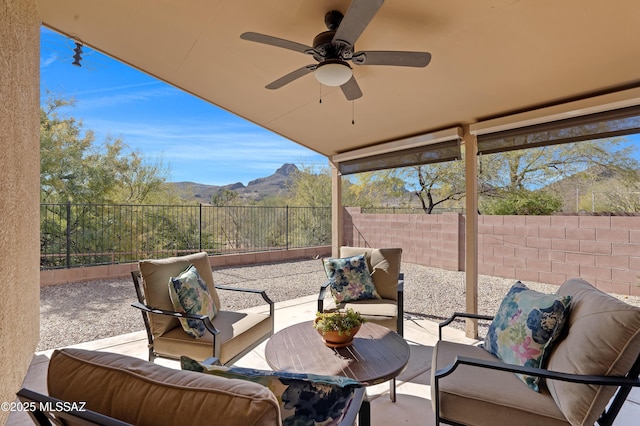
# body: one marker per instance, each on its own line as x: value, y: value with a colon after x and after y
x: 324, y: 48
x: 322, y: 44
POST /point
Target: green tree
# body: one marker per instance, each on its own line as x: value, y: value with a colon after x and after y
x: 434, y: 185
x: 311, y: 187
x: 614, y: 192
x: 225, y: 197
x: 371, y: 189
x: 521, y: 173
x: 93, y: 177
x: 61, y: 151
x: 74, y: 168
x: 438, y: 184
x: 536, y: 167
x: 522, y: 202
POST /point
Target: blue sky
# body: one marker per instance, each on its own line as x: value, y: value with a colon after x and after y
x: 198, y: 141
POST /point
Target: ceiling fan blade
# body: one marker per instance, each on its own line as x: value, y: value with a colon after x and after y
x: 275, y: 41
x: 395, y: 58
x: 351, y: 89
x: 294, y: 75
x: 358, y: 16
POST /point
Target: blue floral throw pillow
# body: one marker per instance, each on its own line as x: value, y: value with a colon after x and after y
x: 525, y: 328
x: 305, y: 399
x: 350, y: 279
x: 189, y: 294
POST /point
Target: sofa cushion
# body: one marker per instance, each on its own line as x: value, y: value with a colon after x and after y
x: 603, y: 338
x: 155, y: 276
x: 143, y: 393
x: 305, y: 399
x: 525, y: 328
x: 384, y: 264
x: 350, y: 279
x: 484, y: 397
x: 189, y: 293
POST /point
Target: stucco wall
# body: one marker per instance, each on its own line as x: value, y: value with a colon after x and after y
x: 549, y: 249
x: 20, y: 186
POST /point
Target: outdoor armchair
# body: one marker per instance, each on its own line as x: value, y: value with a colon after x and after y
x: 384, y: 266
x: 587, y: 377
x: 228, y: 336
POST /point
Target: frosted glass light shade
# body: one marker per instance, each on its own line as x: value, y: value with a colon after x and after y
x: 333, y: 72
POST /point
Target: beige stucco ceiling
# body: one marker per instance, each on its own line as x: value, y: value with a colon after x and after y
x: 490, y: 58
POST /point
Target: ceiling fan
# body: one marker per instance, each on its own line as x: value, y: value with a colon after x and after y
x: 332, y: 49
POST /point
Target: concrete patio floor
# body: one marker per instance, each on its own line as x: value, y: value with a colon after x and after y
x: 413, y: 405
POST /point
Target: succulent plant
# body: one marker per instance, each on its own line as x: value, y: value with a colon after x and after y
x: 341, y: 321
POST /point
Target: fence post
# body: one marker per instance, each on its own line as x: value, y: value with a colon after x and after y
x: 68, y: 234
x: 286, y: 218
x: 200, y: 228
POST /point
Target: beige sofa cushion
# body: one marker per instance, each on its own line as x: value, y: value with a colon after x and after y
x: 384, y: 265
x: 603, y: 339
x: 156, y: 274
x: 480, y: 396
x: 142, y: 393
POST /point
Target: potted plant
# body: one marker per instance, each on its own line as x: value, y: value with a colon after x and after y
x: 338, y: 328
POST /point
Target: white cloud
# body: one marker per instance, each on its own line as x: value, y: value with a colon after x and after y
x: 50, y: 59
x: 216, y: 153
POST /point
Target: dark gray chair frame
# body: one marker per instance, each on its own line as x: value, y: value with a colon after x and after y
x: 215, y: 350
x: 400, y: 301
x: 624, y: 383
x: 42, y: 410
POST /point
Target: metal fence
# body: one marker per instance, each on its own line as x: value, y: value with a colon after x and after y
x: 410, y: 210
x: 74, y: 235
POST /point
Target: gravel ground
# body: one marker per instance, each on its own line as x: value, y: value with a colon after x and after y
x: 81, y: 312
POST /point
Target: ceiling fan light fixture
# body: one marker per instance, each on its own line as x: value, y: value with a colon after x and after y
x: 333, y: 72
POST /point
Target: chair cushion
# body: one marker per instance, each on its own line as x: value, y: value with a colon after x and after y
x: 305, y: 399
x: 383, y: 312
x: 350, y: 279
x: 525, y: 327
x: 484, y: 397
x: 603, y: 338
x: 384, y: 264
x: 155, y: 276
x: 143, y: 393
x: 190, y: 294
x: 238, y: 331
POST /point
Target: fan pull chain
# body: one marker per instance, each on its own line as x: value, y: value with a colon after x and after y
x: 320, y: 94
x: 353, y: 112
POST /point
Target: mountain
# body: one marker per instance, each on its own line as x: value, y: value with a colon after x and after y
x: 256, y: 190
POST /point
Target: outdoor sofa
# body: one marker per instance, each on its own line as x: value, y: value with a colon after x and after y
x: 596, y: 355
x: 115, y: 389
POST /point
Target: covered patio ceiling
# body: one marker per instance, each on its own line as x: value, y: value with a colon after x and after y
x: 490, y: 58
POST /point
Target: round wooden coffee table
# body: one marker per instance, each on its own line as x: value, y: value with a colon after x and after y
x: 376, y: 355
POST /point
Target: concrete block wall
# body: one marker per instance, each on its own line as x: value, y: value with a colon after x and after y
x: 604, y: 250
x: 91, y: 273
x: 549, y: 249
x: 430, y: 240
